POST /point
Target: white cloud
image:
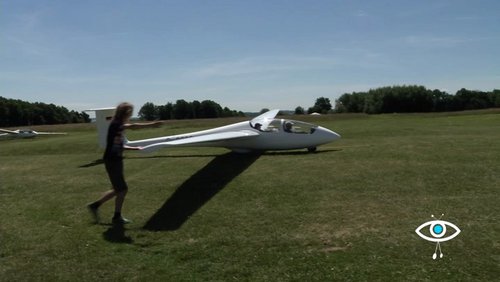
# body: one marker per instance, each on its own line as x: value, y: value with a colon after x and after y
x: 262, y: 65
x: 437, y: 41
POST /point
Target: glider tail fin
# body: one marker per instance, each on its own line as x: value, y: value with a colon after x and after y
x: 103, y: 118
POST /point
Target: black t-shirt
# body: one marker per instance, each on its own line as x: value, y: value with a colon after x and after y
x: 114, y: 141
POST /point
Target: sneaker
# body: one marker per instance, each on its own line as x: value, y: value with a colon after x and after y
x: 93, y: 211
x: 120, y: 220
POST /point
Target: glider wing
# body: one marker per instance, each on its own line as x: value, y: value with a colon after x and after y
x: 51, y: 133
x: 8, y: 131
x: 265, y: 118
x: 198, y: 140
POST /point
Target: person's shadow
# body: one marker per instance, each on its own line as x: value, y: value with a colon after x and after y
x: 116, y: 234
x: 198, y: 190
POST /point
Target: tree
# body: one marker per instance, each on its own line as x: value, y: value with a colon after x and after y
x: 182, y: 110
x: 413, y: 98
x: 322, y: 105
x: 469, y: 100
x: 441, y: 101
x: 210, y: 109
x: 226, y: 112
x: 20, y: 113
x: 166, y: 111
x: 350, y: 103
x: 149, y: 111
x: 299, y: 110
x: 196, y: 109
x: 495, y: 97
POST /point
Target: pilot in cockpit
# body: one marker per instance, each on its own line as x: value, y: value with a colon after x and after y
x: 288, y: 126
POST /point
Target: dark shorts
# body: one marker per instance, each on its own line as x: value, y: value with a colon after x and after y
x: 115, y: 173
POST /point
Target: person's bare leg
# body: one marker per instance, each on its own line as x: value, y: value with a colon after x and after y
x: 94, y: 207
x: 107, y: 196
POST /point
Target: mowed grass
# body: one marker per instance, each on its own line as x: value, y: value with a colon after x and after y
x: 346, y: 213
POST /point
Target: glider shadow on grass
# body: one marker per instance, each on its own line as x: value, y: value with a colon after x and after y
x: 298, y: 153
x: 101, y: 161
x: 270, y: 153
x: 198, y: 190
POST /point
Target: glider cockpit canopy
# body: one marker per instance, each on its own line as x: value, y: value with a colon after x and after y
x: 286, y: 125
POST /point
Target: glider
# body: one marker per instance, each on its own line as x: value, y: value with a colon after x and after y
x: 26, y: 133
x: 264, y: 132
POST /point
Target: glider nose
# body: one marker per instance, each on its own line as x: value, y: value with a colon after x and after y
x: 328, y: 135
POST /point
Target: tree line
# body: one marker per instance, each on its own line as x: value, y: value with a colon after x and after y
x: 186, y: 110
x: 413, y: 98
x: 390, y: 99
x: 21, y: 113
x: 321, y: 106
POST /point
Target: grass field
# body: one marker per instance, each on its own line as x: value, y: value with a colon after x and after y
x: 346, y: 213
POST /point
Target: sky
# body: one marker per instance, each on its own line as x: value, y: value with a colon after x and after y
x: 246, y: 55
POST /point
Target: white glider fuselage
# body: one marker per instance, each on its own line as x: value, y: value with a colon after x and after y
x: 275, y: 137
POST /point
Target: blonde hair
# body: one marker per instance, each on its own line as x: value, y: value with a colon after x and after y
x: 123, y: 111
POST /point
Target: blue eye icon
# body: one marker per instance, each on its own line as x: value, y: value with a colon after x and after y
x: 437, y: 229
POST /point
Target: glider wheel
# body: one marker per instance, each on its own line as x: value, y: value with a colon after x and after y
x: 311, y: 149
